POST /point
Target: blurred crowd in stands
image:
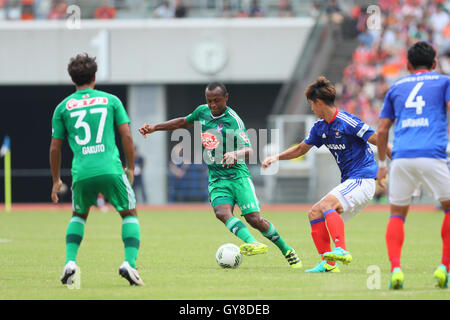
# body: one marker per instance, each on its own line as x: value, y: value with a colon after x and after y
x: 380, y: 57
x: 53, y: 9
x: 163, y: 9
x: 377, y: 62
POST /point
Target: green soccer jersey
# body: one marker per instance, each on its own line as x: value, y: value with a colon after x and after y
x: 222, y: 134
x: 87, y: 118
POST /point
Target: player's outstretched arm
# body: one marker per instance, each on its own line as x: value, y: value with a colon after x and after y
x: 55, y: 166
x: 128, y: 149
x: 382, y: 145
x: 177, y: 123
x: 291, y: 153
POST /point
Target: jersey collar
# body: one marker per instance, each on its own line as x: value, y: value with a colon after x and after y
x: 84, y: 90
x: 420, y: 71
x: 220, y: 115
x: 335, y: 115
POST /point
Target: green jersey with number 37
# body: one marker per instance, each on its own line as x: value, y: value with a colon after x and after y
x: 221, y: 134
x: 87, y: 119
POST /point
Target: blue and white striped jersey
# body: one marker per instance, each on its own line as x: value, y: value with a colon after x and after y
x: 346, y: 137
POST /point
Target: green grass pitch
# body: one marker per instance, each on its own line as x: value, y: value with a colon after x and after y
x: 177, y: 258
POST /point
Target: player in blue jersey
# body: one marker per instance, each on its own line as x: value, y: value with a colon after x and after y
x: 417, y: 104
x: 346, y: 136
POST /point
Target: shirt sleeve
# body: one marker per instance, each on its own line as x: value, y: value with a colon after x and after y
x: 58, y: 127
x: 362, y: 130
x: 447, y: 91
x: 242, y: 139
x: 388, y: 108
x: 120, y: 114
x: 313, y: 138
x: 194, y: 115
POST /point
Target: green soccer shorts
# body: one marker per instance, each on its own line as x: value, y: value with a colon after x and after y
x: 115, y: 187
x: 240, y: 191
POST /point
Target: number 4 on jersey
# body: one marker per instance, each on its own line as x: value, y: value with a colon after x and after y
x: 415, y: 101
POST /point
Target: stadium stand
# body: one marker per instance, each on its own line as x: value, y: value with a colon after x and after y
x: 133, y: 9
x: 380, y: 56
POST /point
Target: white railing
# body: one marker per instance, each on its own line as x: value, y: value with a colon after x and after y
x: 292, y: 129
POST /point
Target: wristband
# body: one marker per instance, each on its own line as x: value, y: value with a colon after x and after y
x: 382, y: 164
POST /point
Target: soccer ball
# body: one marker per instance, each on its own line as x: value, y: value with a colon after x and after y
x: 229, y: 256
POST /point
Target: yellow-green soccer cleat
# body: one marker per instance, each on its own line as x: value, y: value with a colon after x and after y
x: 323, y: 266
x: 338, y: 254
x: 293, y: 259
x: 253, y: 248
x: 397, y: 279
x: 441, y: 277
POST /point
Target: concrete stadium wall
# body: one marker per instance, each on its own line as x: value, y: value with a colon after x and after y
x: 154, y: 51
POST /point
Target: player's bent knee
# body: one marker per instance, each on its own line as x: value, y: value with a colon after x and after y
x: 314, y: 215
x: 81, y: 215
x: 316, y: 212
x: 254, y: 219
x: 445, y: 204
x: 128, y: 213
x: 223, y: 213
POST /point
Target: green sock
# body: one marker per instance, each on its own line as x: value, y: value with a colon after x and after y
x: 131, y: 236
x: 238, y: 228
x: 272, y: 235
x: 74, y: 235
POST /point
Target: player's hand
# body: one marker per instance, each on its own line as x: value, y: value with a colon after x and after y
x: 229, y: 159
x: 146, y: 129
x: 130, y: 175
x: 56, y: 187
x: 268, y: 161
x: 381, y: 176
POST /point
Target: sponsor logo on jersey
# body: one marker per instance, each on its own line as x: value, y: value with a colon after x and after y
x: 419, y: 122
x: 324, y: 136
x: 334, y: 146
x: 74, y: 103
x: 209, y: 140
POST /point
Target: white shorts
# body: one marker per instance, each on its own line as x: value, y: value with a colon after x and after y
x: 354, y: 195
x: 407, y: 174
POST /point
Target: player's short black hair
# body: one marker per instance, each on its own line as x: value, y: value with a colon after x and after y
x: 82, y: 69
x: 321, y: 89
x: 213, y: 85
x: 421, y: 54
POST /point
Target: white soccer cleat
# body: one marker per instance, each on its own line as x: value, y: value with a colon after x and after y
x: 68, y: 273
x: 130, y: 274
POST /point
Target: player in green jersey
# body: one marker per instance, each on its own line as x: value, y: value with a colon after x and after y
x: 226, y: 146
x: 87, y: 119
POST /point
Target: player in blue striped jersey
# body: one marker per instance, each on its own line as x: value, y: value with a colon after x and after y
x: 417, y: 107
x: 346, y: 137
